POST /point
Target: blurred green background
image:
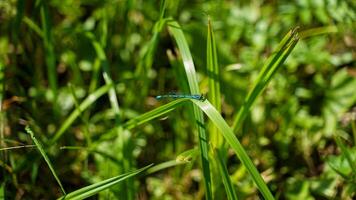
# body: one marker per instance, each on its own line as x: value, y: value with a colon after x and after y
x: 51, y: 61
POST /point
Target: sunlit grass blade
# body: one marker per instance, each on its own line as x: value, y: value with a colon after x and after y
x: 83, y: 106
x: 155, y: 113
x: 230, y: 137
x: 229, y: 187
x: 49, y: 49
x: 106, y: 74
x: 44, y: 155
x: 346, y: 154
x: 267, y: 72
x: 214, y: 95
x: 188, y: 64
x: 95, y: 188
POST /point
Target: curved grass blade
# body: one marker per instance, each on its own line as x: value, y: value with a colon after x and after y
x: 155, y: 113
x: 229, y: 136
x: 44, y: 155
x: 183, y: 47
x: 95, y: 188
x: 83, y: 106
x: 269, y: 69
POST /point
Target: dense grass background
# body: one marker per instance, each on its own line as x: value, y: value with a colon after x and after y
x: 82, y: 76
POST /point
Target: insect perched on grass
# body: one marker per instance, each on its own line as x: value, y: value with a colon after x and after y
x: 199, y: 97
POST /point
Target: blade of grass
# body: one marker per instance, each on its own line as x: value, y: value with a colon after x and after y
x: 32, y: 25
x: 49, y: 49
x: 229, y: 136
x: 44, y: 155
x: 214, y: 82
x: 95, y: 188
x: 85, y: 121
x: 318, y: 31
x: 188, y: 64
x: 106, y: 74
x: 229, y: 187
x: 16, y: 147
x: 217, y: 140
x: 153, y: 114
x: 83, y: 106
x: 269, y: 69
x: 164, y: 165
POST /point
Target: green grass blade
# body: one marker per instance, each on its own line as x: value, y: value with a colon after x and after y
x: 106, y: 74
x: 164, y: 165
x: 229, y: 136
x: 85, y: 121
x: 83, y: 106
x: 229, y: 187
x: 269, y: 69
x: 32, y: 25
x: 214, y: 95
x: 153, y: 114
x: 49, y: 49
x: 95, y: 188
x: 183, y: 47
x: 318, y: 31
x: 44, y: 155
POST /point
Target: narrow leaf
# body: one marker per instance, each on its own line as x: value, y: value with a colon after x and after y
x: 269, y: 69
x: 44, y: 155
x: 95, y: 188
